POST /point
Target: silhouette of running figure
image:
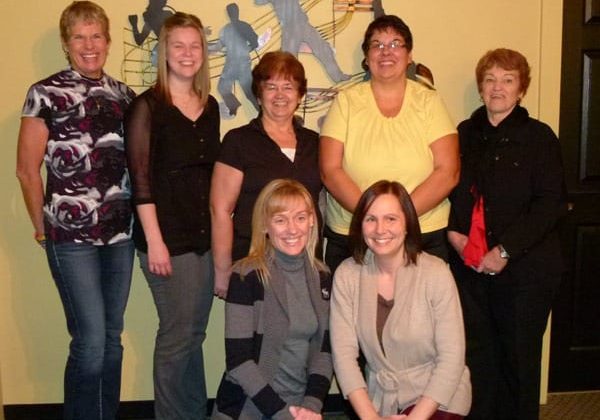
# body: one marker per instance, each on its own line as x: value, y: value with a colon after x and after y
x: 239, y: 40
x: 154, y: 16
x: 296, y: 29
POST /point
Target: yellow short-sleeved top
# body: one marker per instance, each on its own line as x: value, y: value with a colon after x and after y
x: 393, y: 148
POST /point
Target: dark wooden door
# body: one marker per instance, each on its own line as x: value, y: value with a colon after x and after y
x: 575, y: 348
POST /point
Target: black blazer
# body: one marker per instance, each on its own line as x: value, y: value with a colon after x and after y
x: 517, y: 167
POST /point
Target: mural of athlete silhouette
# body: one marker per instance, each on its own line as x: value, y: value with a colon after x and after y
x: 377, y: 8
x: 296, y: 29
x: 154, y: 16
x: 239, y: 40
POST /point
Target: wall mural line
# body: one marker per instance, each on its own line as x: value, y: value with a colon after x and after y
x: 239, y: 44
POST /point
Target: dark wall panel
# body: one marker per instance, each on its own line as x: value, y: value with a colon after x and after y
x: 590, y: 118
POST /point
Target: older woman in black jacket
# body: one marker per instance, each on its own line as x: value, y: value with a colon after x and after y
x: 503, y: 228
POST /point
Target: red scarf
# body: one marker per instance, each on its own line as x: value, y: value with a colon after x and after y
x: 476, y: 246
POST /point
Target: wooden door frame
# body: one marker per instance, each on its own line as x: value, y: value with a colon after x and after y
x: 549, y: 79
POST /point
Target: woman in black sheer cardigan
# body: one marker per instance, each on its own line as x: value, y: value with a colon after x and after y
x: 172, y: 136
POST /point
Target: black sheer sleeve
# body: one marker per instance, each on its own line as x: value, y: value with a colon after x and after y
x: 138, y: 123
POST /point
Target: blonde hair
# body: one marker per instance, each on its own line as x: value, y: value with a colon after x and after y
x: 276, y: 197
x: 202, y: 78
x: 86, y: 11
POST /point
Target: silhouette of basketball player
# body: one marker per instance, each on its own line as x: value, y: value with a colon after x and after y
x: 238, y: 39
x: 377, y: 8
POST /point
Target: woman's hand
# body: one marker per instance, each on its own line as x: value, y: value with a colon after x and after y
x: 364, y: 408
x: 391, y: 417
x: 492, y: 263
x: 159, y: 259
x: 222, y: 282
x: 40, y: 238
x: 423, y: 409
x: 458, y: 241
x: 301, y: 413
x: 446, y: 170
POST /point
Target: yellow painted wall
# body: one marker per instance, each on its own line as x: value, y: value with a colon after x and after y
x: 1, y: 405
x: 450, y: 36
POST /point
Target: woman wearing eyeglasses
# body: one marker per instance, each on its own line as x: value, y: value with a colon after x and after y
x: 392, y: 128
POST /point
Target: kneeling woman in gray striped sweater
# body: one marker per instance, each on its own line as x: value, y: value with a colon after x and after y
x: 276, y: 315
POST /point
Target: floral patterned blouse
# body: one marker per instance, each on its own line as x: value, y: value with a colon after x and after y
x: 87, y: 197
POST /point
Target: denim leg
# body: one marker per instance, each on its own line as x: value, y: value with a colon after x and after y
x: 80, y: 271
x: 117, y: 266
x: 183, y: 303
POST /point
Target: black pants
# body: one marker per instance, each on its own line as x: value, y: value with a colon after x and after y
x: 505, y: 318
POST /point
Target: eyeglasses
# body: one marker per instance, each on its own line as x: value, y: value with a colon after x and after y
x: 379, y: 46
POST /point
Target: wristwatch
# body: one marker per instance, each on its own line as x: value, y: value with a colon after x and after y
x: 503, y: 253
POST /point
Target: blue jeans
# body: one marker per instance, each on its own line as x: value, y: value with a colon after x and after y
x: 183, y: 303
x: 93, y: 283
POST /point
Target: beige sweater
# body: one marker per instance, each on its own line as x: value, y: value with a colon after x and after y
x: 423, y: 337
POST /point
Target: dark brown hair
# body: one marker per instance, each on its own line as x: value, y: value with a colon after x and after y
x: 278, y: 63
x: 383, y: 23
x: 505, y: 59
x: 412, y: 240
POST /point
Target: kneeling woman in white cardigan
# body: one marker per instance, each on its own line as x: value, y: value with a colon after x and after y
x: 401, y: 307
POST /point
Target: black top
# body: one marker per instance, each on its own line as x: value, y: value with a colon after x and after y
x: 250, y: 150
x: 517, y: 167
x: 171, y: 160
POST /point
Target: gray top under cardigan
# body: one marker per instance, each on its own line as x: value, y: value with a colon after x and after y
x: 291, y: 377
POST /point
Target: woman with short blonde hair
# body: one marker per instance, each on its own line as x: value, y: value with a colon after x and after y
x: 73, y: 121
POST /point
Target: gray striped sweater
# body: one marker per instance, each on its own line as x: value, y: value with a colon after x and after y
x: 256, y: 325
